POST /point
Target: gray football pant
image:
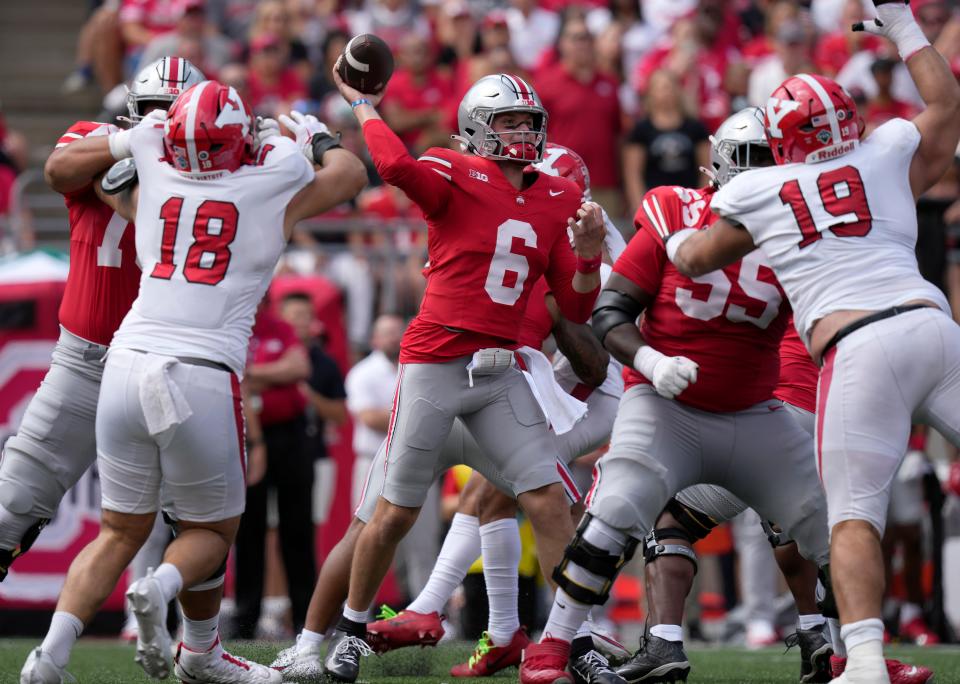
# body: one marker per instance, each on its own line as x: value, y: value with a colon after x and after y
x: 761, y: 455
x: 56, y: 441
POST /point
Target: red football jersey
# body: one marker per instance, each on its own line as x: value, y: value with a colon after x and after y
x: 730, y: 322
x: 537, y: 323
x: 798, y: 372
x: 488, y: 244
x: 104, y: 277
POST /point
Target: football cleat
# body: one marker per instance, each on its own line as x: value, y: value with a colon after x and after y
x: 815, y: 653
x: 129, y: 631
x: 488, y: 659
x: 917, y: 631
x: 146, y: 603
x: 607, y: 644
x: 899, y: 672
x: 406, y: 628
x: 300, y: 663
x: 546, y: 663
x: 216, y: 666
x: 343, y: 659
x: 657, y: 660
x: 593, y: 668
x: 40, y: 669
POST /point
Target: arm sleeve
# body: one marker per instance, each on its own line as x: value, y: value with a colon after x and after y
x: 575, y: 306
x: 897, y: 136
x: 425, y: 182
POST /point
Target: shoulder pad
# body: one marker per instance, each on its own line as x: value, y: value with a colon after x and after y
x: 119, y: 177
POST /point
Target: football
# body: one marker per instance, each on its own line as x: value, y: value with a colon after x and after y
x: 366, y: 64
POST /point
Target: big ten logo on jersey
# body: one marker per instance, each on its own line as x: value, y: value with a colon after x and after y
x: 473, y: 173
x: 748, y: 294
x: 693, y: 206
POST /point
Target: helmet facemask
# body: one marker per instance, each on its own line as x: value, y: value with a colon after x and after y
x: 526, y: 146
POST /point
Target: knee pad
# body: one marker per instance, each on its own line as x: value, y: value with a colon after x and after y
x: 27, y: 487
x: 697, y: 525
x: 653, y: 548
x: 593, y: 559
x: 216, y: 578
x: 828, y: 602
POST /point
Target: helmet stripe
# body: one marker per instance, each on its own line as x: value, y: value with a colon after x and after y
x: 827, y: 103
x: 522, y: 88
x: 191, y: 127
x: 174, y: 71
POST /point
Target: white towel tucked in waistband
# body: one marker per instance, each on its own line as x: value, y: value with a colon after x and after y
x: 164, y: 405
x: 562, y: 410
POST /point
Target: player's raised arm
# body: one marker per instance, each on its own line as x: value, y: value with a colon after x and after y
x: 939, y: 123
x: 695, y: 252
x: 423, y: 183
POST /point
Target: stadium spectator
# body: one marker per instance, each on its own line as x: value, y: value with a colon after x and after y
x: 884, y: 106
x: 389, y: 19
x: 584, y: 109
x: 321, y: 84
x: 791, y: 55
x: 192, y: 27
x: 762, y: 46
x: 667, y: 146
x: 99, y: 55
x: 273, y: 85
x: 834, y: 49
x: 278, y: 363
x: 272, y: 20
x: 637, y: 36
x: 414, y: 105
x: 143, y: 20
x: 533, y: 29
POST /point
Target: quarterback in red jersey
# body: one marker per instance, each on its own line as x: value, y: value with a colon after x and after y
x: 700, y: 372
x: 55, y: 443
x: 493, y: 231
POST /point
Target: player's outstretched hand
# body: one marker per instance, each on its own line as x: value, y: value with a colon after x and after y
x: 155, y: 117
x: 352, y: 94
x: 890, y: 14
x: 587, y: 230
x: 265, y: 128
x: 305, y: 127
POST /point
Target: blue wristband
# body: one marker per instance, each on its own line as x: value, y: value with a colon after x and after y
x: 357, y: 103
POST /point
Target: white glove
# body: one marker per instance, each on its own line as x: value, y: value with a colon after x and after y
x: 120, y: 141
x: 304, y: 127
x: 670, y: 375
x: 895, y: 21
x: 264, y: 128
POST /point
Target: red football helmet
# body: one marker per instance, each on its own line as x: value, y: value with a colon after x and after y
x: 209, y: 131
x: 811, y: 119
x: 564, y: 162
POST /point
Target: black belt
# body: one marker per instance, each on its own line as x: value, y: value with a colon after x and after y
x: 867, y: 320
x: 196, y: 361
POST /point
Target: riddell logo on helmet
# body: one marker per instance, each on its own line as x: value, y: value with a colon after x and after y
x: 832, y: 152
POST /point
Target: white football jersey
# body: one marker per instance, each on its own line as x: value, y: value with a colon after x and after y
x: 207, y: 249
x: 839, y: 234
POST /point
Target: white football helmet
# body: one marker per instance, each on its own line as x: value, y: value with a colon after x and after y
x: 739, y: 144
x: 493, y: 95
x: 161, y: 83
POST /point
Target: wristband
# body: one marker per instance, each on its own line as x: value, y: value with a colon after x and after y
x: 361, y: 101
x: 119, y: 143
x: 645, y: 360
x: 589, y: 265
x: 321, y: 143
x: 674, y: 240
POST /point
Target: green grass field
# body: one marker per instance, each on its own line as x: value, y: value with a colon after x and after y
x: 108, y: 662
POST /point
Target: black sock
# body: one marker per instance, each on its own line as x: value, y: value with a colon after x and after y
x: 357, y: 629
x: 580, y: 646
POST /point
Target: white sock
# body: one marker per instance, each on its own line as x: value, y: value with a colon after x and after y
x: 910, y: 612
x: 811, y: 621
x: 864, y: 642
x: 200, y: 635
x: 565, y: 618
x: 170, y: 579
x: 839, y: 649
x: 500, y: 543
x: 309, y: 638
x: 585, y: 629
x: 667, y: 632
x: 460, y: 549
x: 64, y: 631
x: 361, y: 616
